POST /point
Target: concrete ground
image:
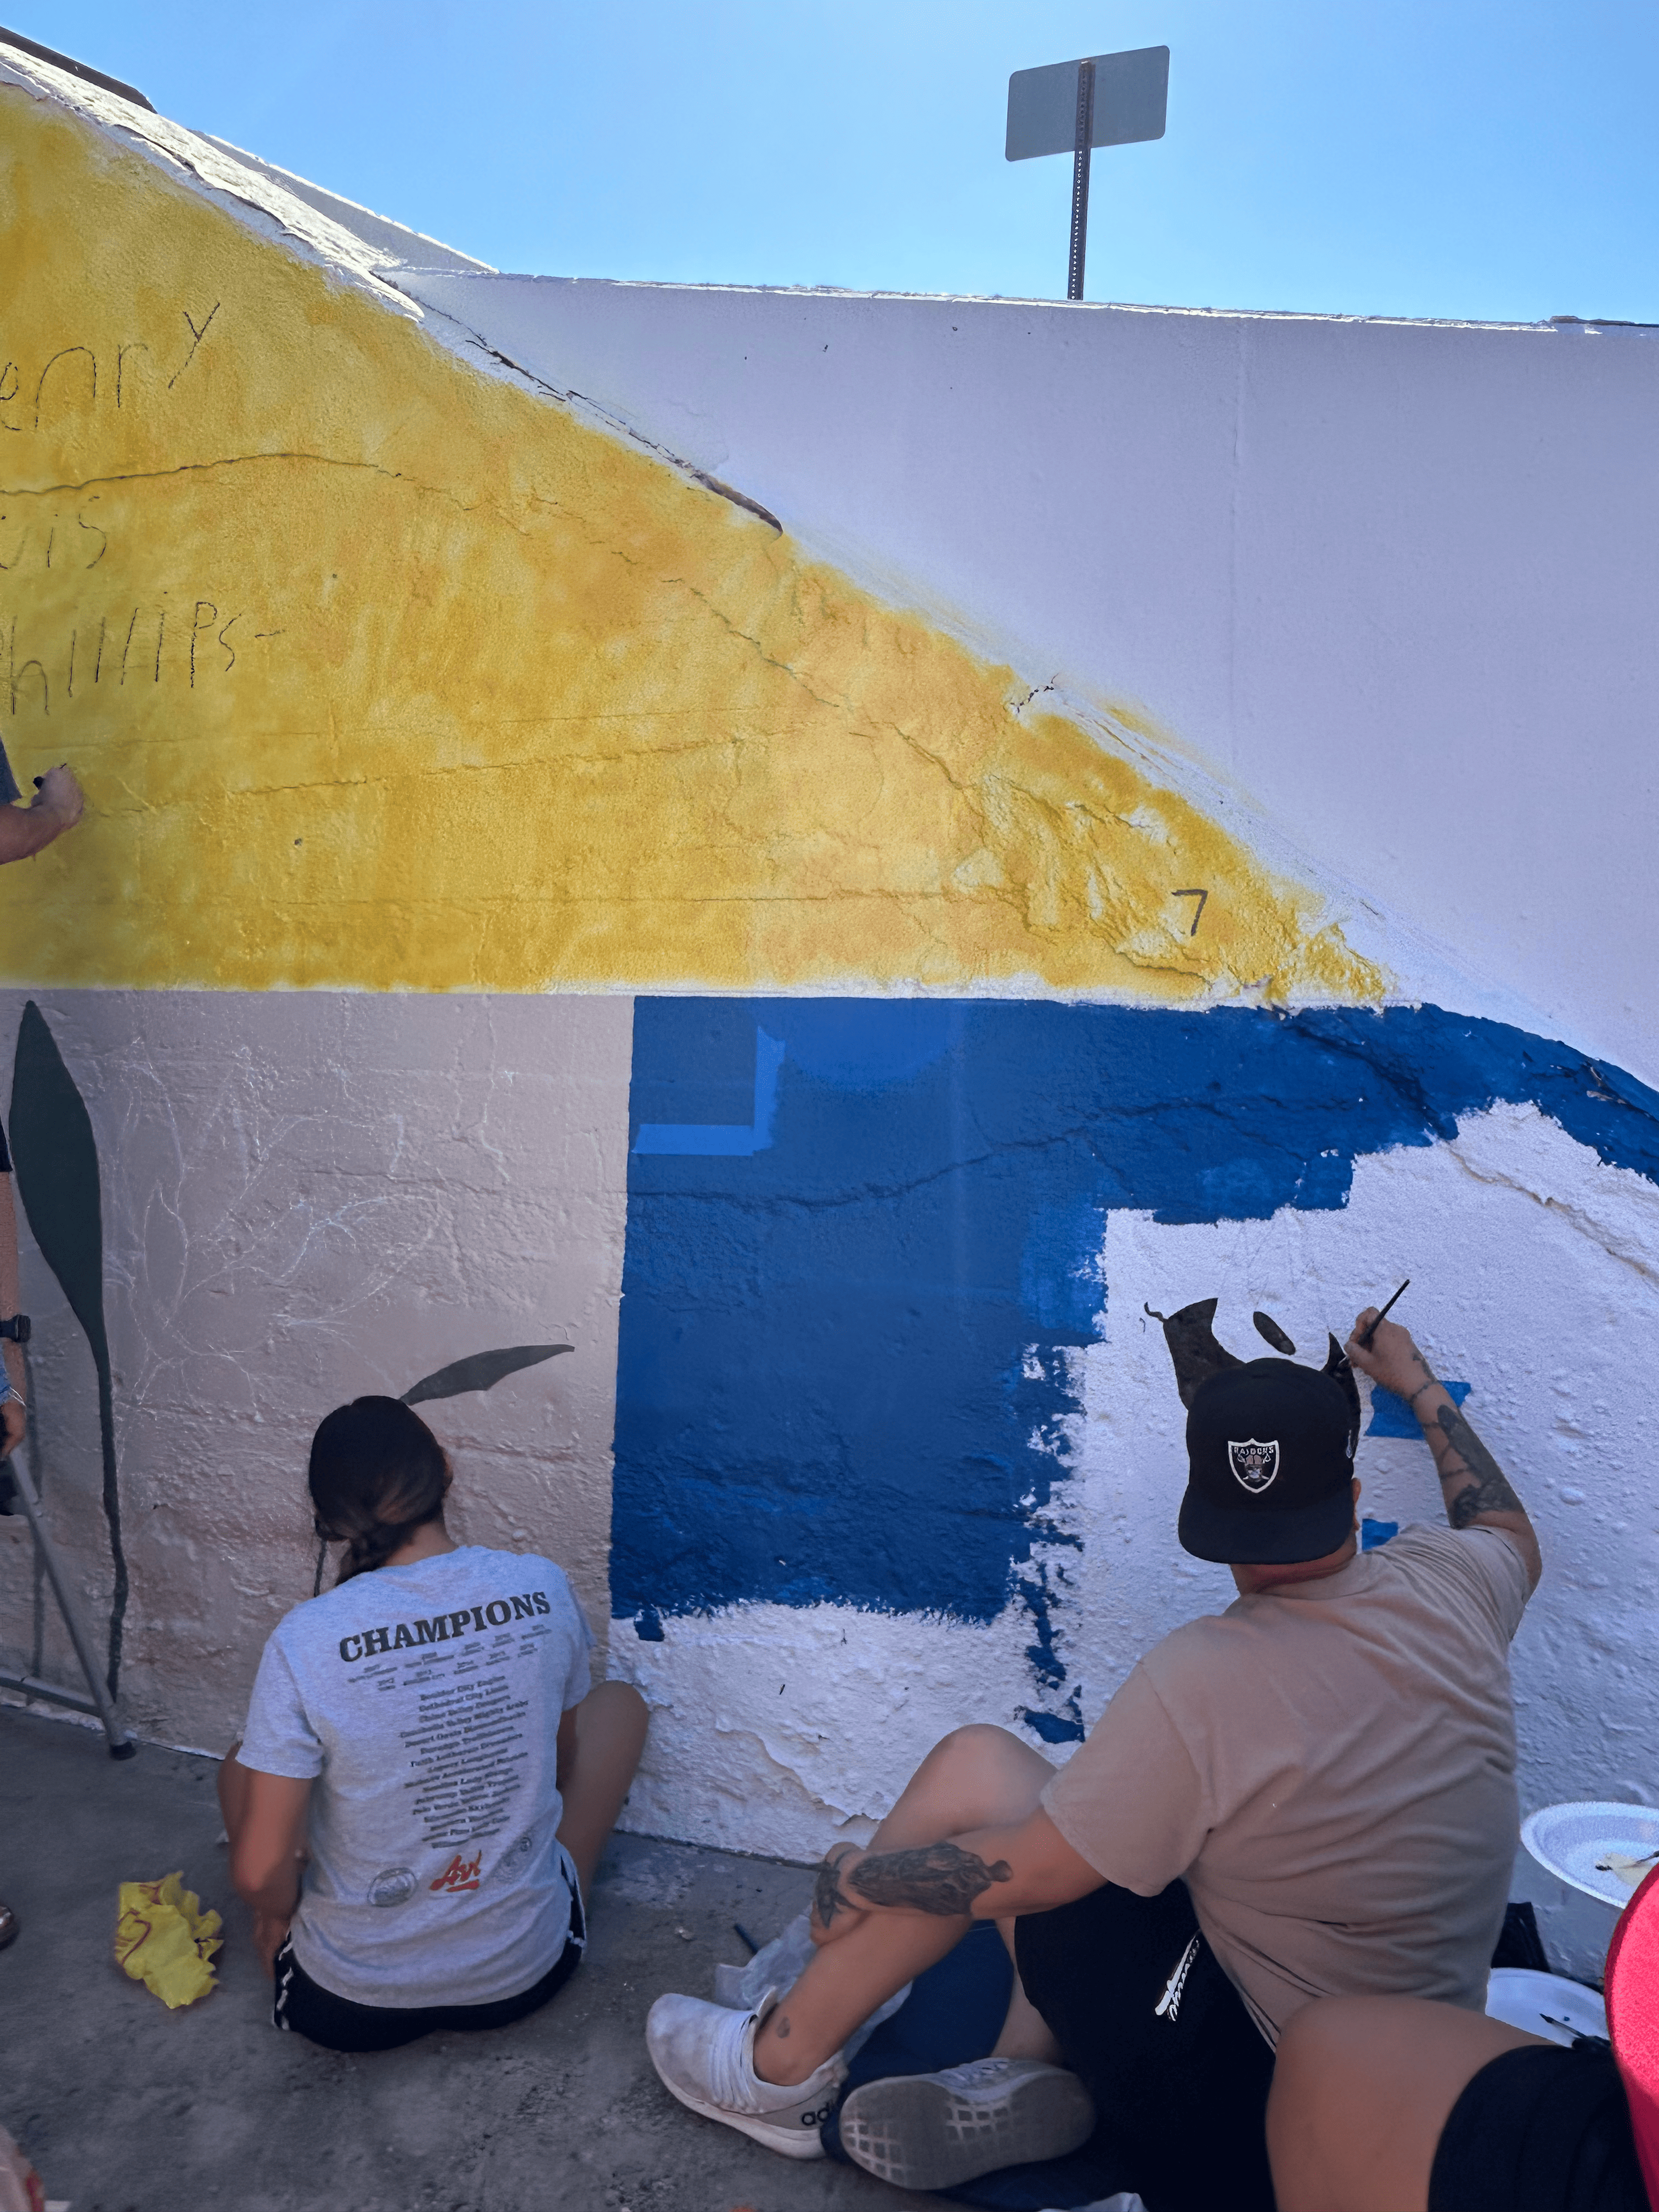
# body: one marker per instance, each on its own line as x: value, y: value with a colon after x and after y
x: 124, y: 2107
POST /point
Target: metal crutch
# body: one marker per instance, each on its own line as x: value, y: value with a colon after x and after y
x: 99, y: 1705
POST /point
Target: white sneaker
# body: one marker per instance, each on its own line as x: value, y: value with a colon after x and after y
x: 705, y: 2056
x: 938, y: 2130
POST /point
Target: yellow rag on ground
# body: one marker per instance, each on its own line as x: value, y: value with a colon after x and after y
x: 165, y: 1940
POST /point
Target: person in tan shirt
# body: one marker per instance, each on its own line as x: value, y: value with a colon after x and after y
x: 1312, y: 1794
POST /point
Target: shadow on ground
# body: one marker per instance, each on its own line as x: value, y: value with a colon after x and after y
x: 126, y: 2107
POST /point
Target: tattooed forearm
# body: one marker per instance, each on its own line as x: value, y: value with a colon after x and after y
x: 938, y: 1878
x: 1461, y: 1458
x: 827, y: 1899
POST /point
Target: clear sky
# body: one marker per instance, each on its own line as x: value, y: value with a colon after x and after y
x: 1416, y: 157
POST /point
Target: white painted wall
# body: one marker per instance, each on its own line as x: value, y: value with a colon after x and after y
x: 1392, y: 582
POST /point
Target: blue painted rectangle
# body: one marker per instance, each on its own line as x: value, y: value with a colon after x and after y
x: 1392, y: 1416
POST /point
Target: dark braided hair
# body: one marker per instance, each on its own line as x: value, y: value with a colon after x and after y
x: 377, y: 1474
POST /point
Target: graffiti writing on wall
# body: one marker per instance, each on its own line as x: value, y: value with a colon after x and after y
x: 133, y: 644
x: 281, y: 572
x: 66, y: 382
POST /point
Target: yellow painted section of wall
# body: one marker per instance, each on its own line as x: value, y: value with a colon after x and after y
x: 382, y: 672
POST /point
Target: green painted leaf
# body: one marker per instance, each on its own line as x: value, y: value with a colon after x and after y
x: 55, y: 1155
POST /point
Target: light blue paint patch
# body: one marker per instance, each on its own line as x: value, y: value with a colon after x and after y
x: 1392, y: 1416
x: 845, y: 1049
x: 724, y: 1140
x: 1374, y: 1534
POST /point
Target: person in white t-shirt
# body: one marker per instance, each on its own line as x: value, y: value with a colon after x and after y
x: 427, y: 1777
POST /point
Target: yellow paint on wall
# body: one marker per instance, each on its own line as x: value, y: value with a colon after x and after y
x: 382, y: 672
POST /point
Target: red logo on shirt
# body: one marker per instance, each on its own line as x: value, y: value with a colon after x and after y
x: 459, y: 1873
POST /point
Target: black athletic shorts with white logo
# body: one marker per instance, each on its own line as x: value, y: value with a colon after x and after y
x: 305, y: 2008
x: 1541, y: 2129
x: 1178, y: 2070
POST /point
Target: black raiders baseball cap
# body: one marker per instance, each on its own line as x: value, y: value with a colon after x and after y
x: 1270, y: 1449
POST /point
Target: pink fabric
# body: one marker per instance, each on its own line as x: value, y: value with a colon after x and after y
x: 1632, y: 1995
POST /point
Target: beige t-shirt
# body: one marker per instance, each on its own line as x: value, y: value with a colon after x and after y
x: 1331, y: 1766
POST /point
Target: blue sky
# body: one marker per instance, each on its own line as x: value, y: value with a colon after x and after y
x: 1463, y: 158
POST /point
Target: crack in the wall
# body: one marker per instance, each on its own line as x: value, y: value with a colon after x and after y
x: 74, y: 487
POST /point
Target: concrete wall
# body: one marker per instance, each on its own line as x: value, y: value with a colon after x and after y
x: 823, y: 853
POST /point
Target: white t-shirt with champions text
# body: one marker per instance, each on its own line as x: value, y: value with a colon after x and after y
x: 424, y: 1701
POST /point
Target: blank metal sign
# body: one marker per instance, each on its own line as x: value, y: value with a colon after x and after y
x: 1131, y: 91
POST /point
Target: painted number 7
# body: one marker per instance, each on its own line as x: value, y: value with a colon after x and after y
x: 1197, y: 910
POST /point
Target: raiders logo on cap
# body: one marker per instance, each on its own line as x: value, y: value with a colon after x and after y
x: 1270, y: 1448
x: 1254, y: 1464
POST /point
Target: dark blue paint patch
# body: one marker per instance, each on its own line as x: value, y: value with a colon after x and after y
x: 1392, y: 1416
x: 1054, y: 1728
x: 1036, y: 1589
x: 843, y: 1368
x: 1374, y: 1534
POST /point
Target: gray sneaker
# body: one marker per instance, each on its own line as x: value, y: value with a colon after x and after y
x: 938, y: 2130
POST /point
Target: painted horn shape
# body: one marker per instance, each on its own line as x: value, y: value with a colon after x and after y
x: 1340, y: 1372
x: 1193, y: 1347
x: 1268, y: 1328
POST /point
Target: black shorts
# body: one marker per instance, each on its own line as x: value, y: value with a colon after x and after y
x: 1146, y: 2016
x: 305, y: 2008
x: 1540, y: 2130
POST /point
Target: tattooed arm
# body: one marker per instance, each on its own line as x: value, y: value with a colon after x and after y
x: 989, y: 1874
x: 1476, y: 1490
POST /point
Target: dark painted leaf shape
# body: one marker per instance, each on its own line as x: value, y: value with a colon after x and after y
x: 1266, y: 1327
x: 480, y: 1370
x: 1193, y: 1347
x: 55, y: 1155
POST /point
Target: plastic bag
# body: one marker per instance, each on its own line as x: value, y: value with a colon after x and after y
x: 780, y: 1965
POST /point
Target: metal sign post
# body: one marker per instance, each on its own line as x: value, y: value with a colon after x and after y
x: 1071, y: 108
x: 1082, y: 148
x: 98, y: 1703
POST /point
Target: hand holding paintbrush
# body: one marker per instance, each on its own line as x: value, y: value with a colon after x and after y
x: 1385, y: 1352
x: 1369, y: 1332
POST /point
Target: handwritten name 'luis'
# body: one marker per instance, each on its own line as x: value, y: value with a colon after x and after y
x: 470, y: 1621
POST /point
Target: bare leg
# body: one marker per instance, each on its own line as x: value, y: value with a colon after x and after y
x: 977, y: 1777
x: 611, y: 1724
x: 1025, y: 2033
x: 1362, y: 2088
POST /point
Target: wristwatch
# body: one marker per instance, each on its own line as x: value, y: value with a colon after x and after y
x: 19, y: 1329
